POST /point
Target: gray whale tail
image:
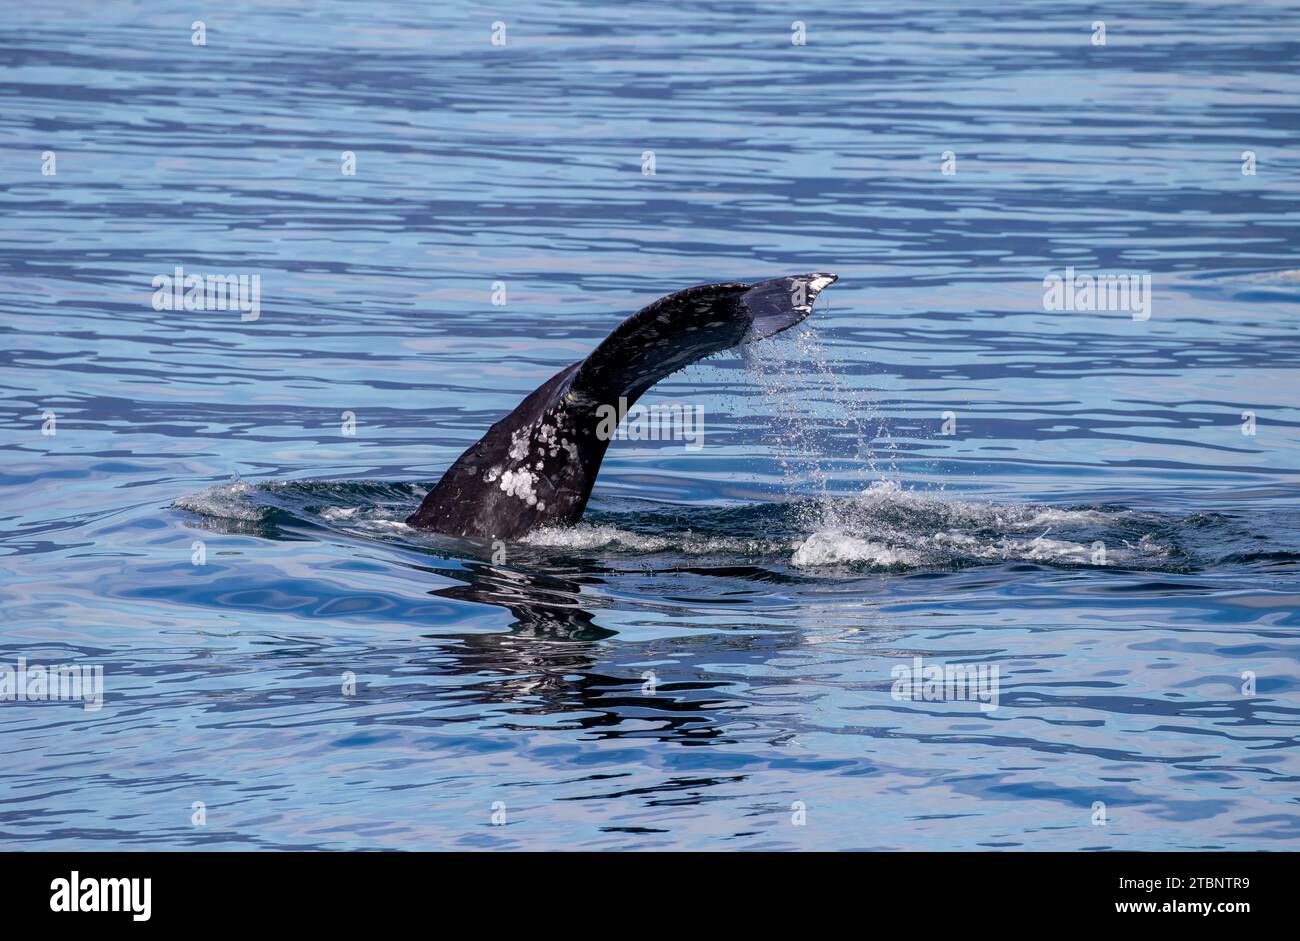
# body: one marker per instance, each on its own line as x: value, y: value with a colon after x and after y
x: 536, y: 466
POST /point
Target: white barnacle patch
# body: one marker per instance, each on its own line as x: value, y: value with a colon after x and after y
x: 519, y: 483
x: 492, y: 474
x: 519, y: 444
x: 548, y: 437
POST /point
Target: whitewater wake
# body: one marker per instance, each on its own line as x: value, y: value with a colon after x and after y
x: 886, y: 526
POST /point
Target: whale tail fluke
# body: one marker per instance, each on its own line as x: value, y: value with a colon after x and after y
x: 686, y: 326
x: 536, y: 466
x: 781, y: 303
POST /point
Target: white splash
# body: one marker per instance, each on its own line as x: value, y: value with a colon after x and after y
x: 838, y: 548
x: 224, y: 501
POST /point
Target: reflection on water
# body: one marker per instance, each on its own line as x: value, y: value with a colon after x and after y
x: 543, y: 606
x: 938, y: 467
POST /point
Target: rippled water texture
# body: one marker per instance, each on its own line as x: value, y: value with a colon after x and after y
x: 933, y: 467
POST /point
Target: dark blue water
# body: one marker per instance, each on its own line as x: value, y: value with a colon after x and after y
x: 707, y: 661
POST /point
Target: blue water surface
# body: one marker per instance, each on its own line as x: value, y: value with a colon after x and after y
x: 1101, y: 507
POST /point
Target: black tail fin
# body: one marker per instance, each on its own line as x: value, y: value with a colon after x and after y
x: 684, y: 327
x: 537, y: 465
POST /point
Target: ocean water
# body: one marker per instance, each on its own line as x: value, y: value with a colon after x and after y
x: 1098, y: 512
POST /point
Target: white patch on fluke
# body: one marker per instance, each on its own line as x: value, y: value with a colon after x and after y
x: 519, y: 445
x: 519, y: 483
